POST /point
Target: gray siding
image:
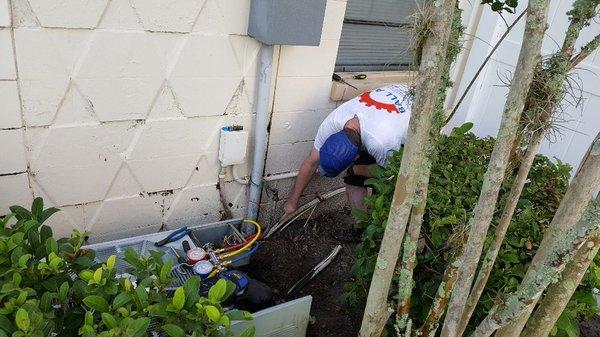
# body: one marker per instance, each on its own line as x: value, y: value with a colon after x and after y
x: 376, y: 35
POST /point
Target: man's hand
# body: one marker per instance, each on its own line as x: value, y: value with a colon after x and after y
x: 308, y: 168
x: 290, y: 206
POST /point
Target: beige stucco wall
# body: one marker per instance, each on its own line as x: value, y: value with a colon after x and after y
x: 111, y: 109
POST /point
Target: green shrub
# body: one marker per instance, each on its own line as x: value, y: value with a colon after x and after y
x: 54, y: 287
x: 455, y: 182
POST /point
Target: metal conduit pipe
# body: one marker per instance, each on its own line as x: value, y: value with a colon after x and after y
x: 263, y: 93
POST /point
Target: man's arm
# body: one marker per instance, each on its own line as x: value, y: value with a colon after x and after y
x: 307, y: 170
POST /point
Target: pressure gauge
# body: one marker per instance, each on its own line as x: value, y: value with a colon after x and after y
x: 203, y: 268
x: 196, y: 254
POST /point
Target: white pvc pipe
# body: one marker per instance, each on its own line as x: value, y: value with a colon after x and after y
x: 263, y: 93
x: 280, y: 176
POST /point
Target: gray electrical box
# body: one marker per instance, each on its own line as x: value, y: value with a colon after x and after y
x: 287, y: 22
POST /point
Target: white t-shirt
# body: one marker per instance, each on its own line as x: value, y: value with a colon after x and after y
x: 383, y: 114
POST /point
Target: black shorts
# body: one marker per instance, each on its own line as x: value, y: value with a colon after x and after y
x: 364, y: 158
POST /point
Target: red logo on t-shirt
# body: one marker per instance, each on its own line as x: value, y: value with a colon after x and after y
x: 369, y: 101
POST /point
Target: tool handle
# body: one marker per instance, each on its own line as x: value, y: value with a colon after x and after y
x: 186, y: 246
x: 176, y: 235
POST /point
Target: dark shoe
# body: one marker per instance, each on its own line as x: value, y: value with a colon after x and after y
x: 347, y: 234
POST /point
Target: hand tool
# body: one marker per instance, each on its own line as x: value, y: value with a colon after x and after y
x: 313, y: 272
x: 186, y: 246
x: 180, y: 258
x: 176, y: 235
x: 339, y: 78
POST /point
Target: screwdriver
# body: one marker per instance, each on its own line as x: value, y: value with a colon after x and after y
x: 338, y: 78
x: 180, y: 258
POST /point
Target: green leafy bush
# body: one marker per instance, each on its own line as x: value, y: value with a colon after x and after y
x: 455, y: 182
x: 54, y: 287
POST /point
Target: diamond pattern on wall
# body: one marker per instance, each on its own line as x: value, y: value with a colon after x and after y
x: 195, y: 204
x: 68, y: 13
x: 165, y: 106
x: 123, y: 120
x: 168, y: 16
x: 171, y: 147
x: 75, y: 109
x: 77, y: 164
x: 210, y: 20
x: 145, y: 211
x: 44, y: 80
x: 205, y: 76
x: 204, y: 96
x: 121, y: 73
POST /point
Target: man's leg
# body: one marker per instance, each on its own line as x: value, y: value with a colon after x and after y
x: 356, y: 197
x: 356, y: 193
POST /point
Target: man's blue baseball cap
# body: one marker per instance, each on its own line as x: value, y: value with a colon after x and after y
x: 337, y: 153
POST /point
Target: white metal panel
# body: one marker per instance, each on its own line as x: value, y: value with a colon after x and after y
x: 484, y: 104
x: 289, y: 319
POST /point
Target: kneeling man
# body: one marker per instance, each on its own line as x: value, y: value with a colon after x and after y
x: 363, y: 131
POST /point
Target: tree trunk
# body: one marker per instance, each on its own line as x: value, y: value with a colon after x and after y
x: 529, y: 56
x: 410, y: 245
x: 442, y: 295
x: 433, y: 56
x: 560, y: 64
x: 507, y: 213
x: 585, y: 182
x: 409, y: 252
x: 558, y: 295
x: 552, y: 263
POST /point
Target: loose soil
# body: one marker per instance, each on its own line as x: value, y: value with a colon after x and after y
x: 288, y: 255
x: 591, y: 327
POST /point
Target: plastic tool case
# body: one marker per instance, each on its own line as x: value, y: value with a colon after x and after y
x: 289, y: 319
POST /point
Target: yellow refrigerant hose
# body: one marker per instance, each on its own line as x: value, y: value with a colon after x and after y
x: 247, y: 245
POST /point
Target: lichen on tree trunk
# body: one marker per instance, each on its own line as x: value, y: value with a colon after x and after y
x: 549, y: 90
x: 558, y: 295
x: 552, y: 262
x: 442, y: 295
x: 585, y: 182
x: 507, y: 213
x: 377, y: 310
x: 535, y: 27
x: 410, y: 245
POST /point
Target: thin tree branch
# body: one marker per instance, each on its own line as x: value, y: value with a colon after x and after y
x: 440, y: 301
x: 586, y: 51
x: 485, y: 62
